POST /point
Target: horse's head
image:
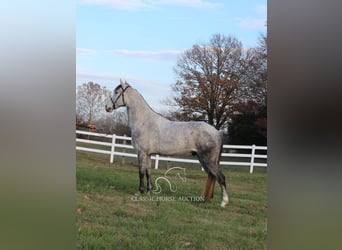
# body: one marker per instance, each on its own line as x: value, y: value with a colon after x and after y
x: 117, y: 100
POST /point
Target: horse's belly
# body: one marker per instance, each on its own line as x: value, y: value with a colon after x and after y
x: 175, y: 149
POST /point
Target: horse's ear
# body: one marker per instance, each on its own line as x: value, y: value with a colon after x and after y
x: 124, y: 84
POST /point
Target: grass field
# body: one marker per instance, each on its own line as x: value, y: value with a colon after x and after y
x: 109, y: 216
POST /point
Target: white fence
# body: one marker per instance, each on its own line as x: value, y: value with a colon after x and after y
x: 112, y: 145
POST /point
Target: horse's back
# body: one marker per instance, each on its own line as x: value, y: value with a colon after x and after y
x: 191, y: 136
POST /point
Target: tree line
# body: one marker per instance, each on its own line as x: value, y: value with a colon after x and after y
x: 219, y: 82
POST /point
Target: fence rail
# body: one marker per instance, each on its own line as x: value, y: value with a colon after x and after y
x: 112, y: 145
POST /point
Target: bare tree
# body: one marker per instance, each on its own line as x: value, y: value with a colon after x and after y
x: 255, y: 77
x: 114, y: 123
x: 208, y: 79
x: 90, y: 98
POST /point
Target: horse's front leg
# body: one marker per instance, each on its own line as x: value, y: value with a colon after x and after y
x: 141, y: 174
x: 148, y: 177
x: 144, y: 168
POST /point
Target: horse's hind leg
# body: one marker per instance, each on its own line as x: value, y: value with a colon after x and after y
x: 212, y: 168
x: 221, y: 179
x: 205, y: 161
x: 144, y: 168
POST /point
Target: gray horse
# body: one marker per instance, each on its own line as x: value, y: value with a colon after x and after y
x: 154, y: 134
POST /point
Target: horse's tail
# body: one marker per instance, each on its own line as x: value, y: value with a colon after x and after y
x: 221, y: 147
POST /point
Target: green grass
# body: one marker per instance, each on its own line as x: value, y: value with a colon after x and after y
x: 108, y: 216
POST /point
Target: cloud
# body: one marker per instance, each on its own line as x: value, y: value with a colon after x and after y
x: 119, y: 4
x: 252, y: 23
x: 108, y: 80
x: 190, y: 3
x: 164, y: 55
x: 85, y: 52
x: 150, y: 4
x: 83, y: 76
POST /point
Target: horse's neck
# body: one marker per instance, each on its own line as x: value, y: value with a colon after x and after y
x: 138, y: 109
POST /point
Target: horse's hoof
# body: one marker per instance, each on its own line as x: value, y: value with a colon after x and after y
x: 137, y: 193
x: 224, y: 203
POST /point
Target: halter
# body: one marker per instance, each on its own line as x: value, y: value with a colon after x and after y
x: 121, y: 94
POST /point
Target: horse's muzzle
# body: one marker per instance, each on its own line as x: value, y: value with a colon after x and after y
x: 109, y: 109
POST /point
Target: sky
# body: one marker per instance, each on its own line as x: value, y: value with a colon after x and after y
x: 140, y: 40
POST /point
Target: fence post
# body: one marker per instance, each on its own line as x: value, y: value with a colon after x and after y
x: 112, y: 150
x: 123, y: 150
x: 156, y: 163
x: 252, y: 159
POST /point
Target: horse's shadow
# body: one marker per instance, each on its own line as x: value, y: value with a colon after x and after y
x: 177, y: 172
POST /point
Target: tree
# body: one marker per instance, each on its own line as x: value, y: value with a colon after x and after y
x: 249, y: 126
x: 255, y: 77
x: 90, y: 98
x: 208, y: 76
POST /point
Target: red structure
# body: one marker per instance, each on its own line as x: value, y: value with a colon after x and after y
x: 92, y: 128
